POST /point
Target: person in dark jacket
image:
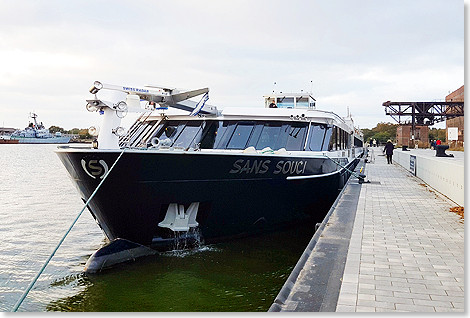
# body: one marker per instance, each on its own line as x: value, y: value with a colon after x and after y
x: 388, y: 150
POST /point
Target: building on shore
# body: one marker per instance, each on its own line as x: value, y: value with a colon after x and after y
x: 6, y: 130
x: 405, y: 137
x: 458, y: 122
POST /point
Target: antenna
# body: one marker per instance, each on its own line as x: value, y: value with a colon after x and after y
x: 311, y: 87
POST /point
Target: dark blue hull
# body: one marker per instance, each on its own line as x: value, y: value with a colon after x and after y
x: 237, y: 194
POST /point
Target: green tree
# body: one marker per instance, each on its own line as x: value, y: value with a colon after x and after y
x: 437, y: 133
x: 54, y: 129
x: 368, y: 133
x: 83, y: 134
x: 381, y: 133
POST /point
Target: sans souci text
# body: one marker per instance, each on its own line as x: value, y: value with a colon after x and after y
x: 263, y: 166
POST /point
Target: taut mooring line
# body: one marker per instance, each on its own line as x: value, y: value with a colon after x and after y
x: 20, y: 301
x: 352, y: 172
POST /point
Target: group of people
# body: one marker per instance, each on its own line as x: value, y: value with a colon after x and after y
x: 435, y: 143
x: 388, y: 149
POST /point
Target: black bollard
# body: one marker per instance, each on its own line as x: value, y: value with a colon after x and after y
x: 441, y: 151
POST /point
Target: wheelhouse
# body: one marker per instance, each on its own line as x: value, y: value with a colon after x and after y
x: 290, y: 101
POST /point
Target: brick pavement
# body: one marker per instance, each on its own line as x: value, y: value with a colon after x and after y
x: 406, y: 251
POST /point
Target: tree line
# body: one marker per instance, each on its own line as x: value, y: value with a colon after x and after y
x: 385, y: 131
x: 81, y: 132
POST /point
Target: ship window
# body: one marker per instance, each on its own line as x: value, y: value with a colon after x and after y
x: 327, y: 139
x: 292, y: 136
x: 332, y: 144
x: 286, y: 102
x: 296, y: 137
x: 171, y: 130
x: 316, y: 136
x: 338, y: 138
x: 269, y: 135
x: 255, y: 135
x: 209, y: 135
x: 357, y: 142
x: 216, y: 134
x: 240, y: 136
x: 188, y: 134
x: 302, y: 102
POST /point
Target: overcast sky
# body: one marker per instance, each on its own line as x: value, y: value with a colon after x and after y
x: 357, y: 53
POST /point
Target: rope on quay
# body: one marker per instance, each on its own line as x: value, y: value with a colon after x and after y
x: 20, y: 301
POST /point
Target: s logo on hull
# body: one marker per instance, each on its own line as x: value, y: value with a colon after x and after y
x: 95, y: 168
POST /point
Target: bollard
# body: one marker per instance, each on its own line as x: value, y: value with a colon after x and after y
x: 441, y: 151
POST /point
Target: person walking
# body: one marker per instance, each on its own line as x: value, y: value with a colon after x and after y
x: 388, y: 150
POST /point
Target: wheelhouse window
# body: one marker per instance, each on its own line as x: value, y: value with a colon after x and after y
x: 316, y: 137
x: 295, y: 137
x: 213, y: 134
x: 302, y: 102
x: 188, y: 134
x: 240, y: 136
x: 269, y: 134
x: 285, y: 102
x: 181, y: 133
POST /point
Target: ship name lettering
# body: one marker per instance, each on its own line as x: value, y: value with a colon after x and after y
x: 290, y: 167
x: 246, y: 166
x: 262, y: 166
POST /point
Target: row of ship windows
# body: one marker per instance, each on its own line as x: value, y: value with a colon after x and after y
x: 240, y: 135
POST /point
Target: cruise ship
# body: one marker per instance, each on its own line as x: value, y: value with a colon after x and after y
x: 187, y: 170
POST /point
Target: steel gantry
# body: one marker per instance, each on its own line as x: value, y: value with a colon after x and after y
x: 423, y: 113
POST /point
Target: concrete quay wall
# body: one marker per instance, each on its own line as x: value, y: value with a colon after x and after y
x: 446, y: 175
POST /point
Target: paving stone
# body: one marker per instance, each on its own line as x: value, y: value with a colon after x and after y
x: 412, y: 295
x: 428, y: 291
x: 345, y: 308
x: 423, y: 302
x: 365, y: 309
x: 412, y: 248
x: 414, y: 308
x: 406, y: 251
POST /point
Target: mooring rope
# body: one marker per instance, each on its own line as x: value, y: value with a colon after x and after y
x: 20, y: 301
x: 352, y: 172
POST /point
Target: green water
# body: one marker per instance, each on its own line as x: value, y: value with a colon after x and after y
x: 244, y: 275
x: 38, y: 203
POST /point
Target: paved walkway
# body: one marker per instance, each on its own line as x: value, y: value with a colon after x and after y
x: 406, y: 251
